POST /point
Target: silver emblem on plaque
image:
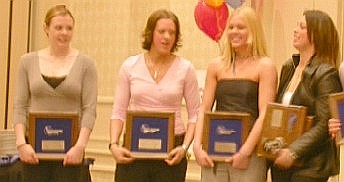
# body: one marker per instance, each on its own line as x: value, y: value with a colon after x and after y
x: 145, y: 128
x: 49, y: 131
x: 222, y: 130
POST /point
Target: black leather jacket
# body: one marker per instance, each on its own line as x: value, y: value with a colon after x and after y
x: 315, y: 148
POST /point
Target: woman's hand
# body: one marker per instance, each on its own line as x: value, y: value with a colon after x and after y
x: 175, y: 156
x: 239, y: 161
x: 284, y: 159
x: 27, y: 154
x: 334, y: 127
x: 121, y: 154
x: 74, y: 156
x: 203, y: 158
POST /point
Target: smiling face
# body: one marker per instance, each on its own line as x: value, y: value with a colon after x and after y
x: 164, y: 36
x: 301, y: 41
x: 60, y: 31
x: 238, y: 32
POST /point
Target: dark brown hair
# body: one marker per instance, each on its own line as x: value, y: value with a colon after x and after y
x: 322, y: 32
x: 147, y: 34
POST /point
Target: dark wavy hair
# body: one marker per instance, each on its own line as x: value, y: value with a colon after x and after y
x: 147, y: 34
x: 322, y: 32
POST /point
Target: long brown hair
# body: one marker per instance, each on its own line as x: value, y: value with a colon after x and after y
x: 322, y: 32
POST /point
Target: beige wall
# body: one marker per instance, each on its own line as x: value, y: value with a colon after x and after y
x: 4, y: 22
x: 281, y: 19
x: 109, y: 31
x: 18, y: 47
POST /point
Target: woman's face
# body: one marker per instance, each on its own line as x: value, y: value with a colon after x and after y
x: 164, y: 36
x: 238, y: 32
x: 60, y: 31
x: 301, y: 41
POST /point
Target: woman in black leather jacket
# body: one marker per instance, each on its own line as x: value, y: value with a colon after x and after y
x: 307, y: 79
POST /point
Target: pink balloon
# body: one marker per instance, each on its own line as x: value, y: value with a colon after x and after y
x: 211, y: 20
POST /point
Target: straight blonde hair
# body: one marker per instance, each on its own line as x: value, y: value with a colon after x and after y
x: 256, y: 38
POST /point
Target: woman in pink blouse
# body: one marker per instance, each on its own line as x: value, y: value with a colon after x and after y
x: 156, y: 80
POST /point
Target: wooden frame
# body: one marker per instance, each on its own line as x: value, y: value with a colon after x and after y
x: 149, y: 135
x: 224, y: 133
x: 53, y: 134
x: 282, y: 125
x: 336, y: 102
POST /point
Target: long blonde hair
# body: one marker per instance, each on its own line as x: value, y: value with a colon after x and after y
x: 256, y: 38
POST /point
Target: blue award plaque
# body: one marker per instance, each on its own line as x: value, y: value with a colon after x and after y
x: 149, y: 135
x: 224, y: 133
x: 52, y: 134
x: 336, y: 102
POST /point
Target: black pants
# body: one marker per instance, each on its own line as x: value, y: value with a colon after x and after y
x: 54, y: 171
x: 152, y: 170
x: 290, y: 175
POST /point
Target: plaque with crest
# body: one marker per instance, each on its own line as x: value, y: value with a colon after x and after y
x: 282, y: 125
x: 149, y: 135
x: 224, y: 133
x: 52, y: 134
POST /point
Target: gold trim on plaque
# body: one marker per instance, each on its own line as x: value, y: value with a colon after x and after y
x: 334, y: 99
x: 220, y: 146
x: 147, y: 143
x: 282, y: 125
x: 49, y: 146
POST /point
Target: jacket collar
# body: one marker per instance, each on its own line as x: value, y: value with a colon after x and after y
x: 312, y: 64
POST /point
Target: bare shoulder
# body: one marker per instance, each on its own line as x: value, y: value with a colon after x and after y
x: 215, y: 63
x: 266, y: 63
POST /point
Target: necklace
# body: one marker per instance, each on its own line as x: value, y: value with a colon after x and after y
x: 152, y: 66
x: 158, y: 68
x: 239, y: 58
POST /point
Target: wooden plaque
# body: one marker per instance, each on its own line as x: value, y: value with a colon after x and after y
x: 224, y: 133
x: 282, y: 125
x: 53, y: 134
x: 149, y: 135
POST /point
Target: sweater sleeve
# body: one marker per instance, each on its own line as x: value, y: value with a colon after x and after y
x: 122, y: 95
x: 89, y: 94
x: 191, y: 94
x: 22, y: 93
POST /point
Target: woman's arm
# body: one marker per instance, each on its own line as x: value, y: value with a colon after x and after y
x: 267, y: 78
x: 121, y: 154
x: 76, y: 153
x: 192, y: 99
x: 267, y: 92
x: 20, y: 110
x: 118, y: 116
x: 88, y: 113
x: 202, y: 157
x: 26, y: 152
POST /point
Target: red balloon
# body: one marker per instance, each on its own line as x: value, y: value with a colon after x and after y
x: 211, y: 20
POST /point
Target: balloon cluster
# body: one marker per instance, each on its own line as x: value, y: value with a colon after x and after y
x: 211, y: 16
